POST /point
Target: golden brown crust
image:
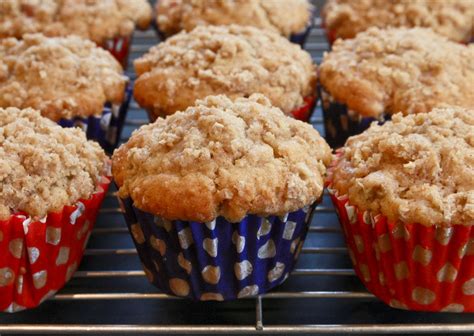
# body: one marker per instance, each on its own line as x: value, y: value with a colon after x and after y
x: 222, y: 158
x: 398, y: 70
x: 416, y: 169
x: 60, y: 77
x: 452, y: 19
x: 176, y: 15
x: 231, y: 60
x: 44, y: 167
x: 97, y: 20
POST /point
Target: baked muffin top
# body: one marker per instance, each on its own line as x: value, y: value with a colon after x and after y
x: 418, y: 168
x: 176, y: 15
x: 398, y: 70
x: 452, y: 19
x: 97, y: 20
x: 62, y: 77
x: 44, y: 167
x: 223, y: 158
x: 232, y: 60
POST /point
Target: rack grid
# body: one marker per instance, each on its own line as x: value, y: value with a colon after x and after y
x: 110, y: 294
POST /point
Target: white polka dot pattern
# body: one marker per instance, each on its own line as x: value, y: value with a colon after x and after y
x: 276, y: 272
x: 239, y: 242
x: 243, y: 269
x: 179, y: 287
x: 38, y: 256
x: 211, y: 274
x: 248, y: 291
x: 217, y: 260
x: 210, y: 246
x: 268, y: 250
x: 416, y: 267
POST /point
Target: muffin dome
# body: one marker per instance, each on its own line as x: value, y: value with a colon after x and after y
x: 452, y: 19
x: 418, y: 168
x: 176, y: 15
x: 60, y: 77
x: 231, y: 60
x: 398, y: 70
x: 97, y: 20
x: 222, y: 158
x: 44, y: 167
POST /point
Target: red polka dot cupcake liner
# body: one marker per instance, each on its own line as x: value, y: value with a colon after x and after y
x: 409, y: 265
x: 119, y: 47
x: 305, y: 112
x: 38, y: 257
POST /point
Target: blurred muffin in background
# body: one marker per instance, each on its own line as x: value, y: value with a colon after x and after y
x: 381, y: 72
x: 452, y: 19
x: 232, y: 60
x: 290, y: 18
x: 69, y: 80
x: 109, y: 23
x: 52, y: 182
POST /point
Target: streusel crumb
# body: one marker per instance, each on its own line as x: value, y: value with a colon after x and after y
x: 44, y: 167
x: 176, y: 15
x: 223, y: 158
x: 232, y: 60
x: 62, y: 77
x: 452, y: 19
x: 97, y: 20
x: 416, y: 169
x: 398, y: 70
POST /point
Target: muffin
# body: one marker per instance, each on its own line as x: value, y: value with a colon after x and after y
x: 345, y: 18
x: 52, y: 182
x: 404, y: 192
x: 219, y: 198
x: 232, y: 60
x: 69, y: 80
x: 173, y: 16
x: 382, y: 72
x: 109, y: 23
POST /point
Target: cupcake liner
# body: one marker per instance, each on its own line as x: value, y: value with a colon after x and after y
x: 330, y: 36
x: 341, y: 122
x: 38, y: 257
x: 106, y: 128
x: 119, y: 47
x: 300, y: 38
x: 302, y: 113
x: 217, y: 260
x: 409, y: 265
x: 305, y: 112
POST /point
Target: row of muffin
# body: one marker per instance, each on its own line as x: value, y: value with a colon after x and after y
x: 370, y: 77
x: 199, y: 166
x: 219, y: 198
x: 110, y: 23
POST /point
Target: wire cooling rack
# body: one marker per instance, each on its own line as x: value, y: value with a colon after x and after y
x: 110, y: 294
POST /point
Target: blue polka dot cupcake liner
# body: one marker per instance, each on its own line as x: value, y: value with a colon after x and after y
x: 217, y: 260
x: 105, y: 128
x: 340, y: 122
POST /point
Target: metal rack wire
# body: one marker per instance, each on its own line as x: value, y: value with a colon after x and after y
x: 110, y: 294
